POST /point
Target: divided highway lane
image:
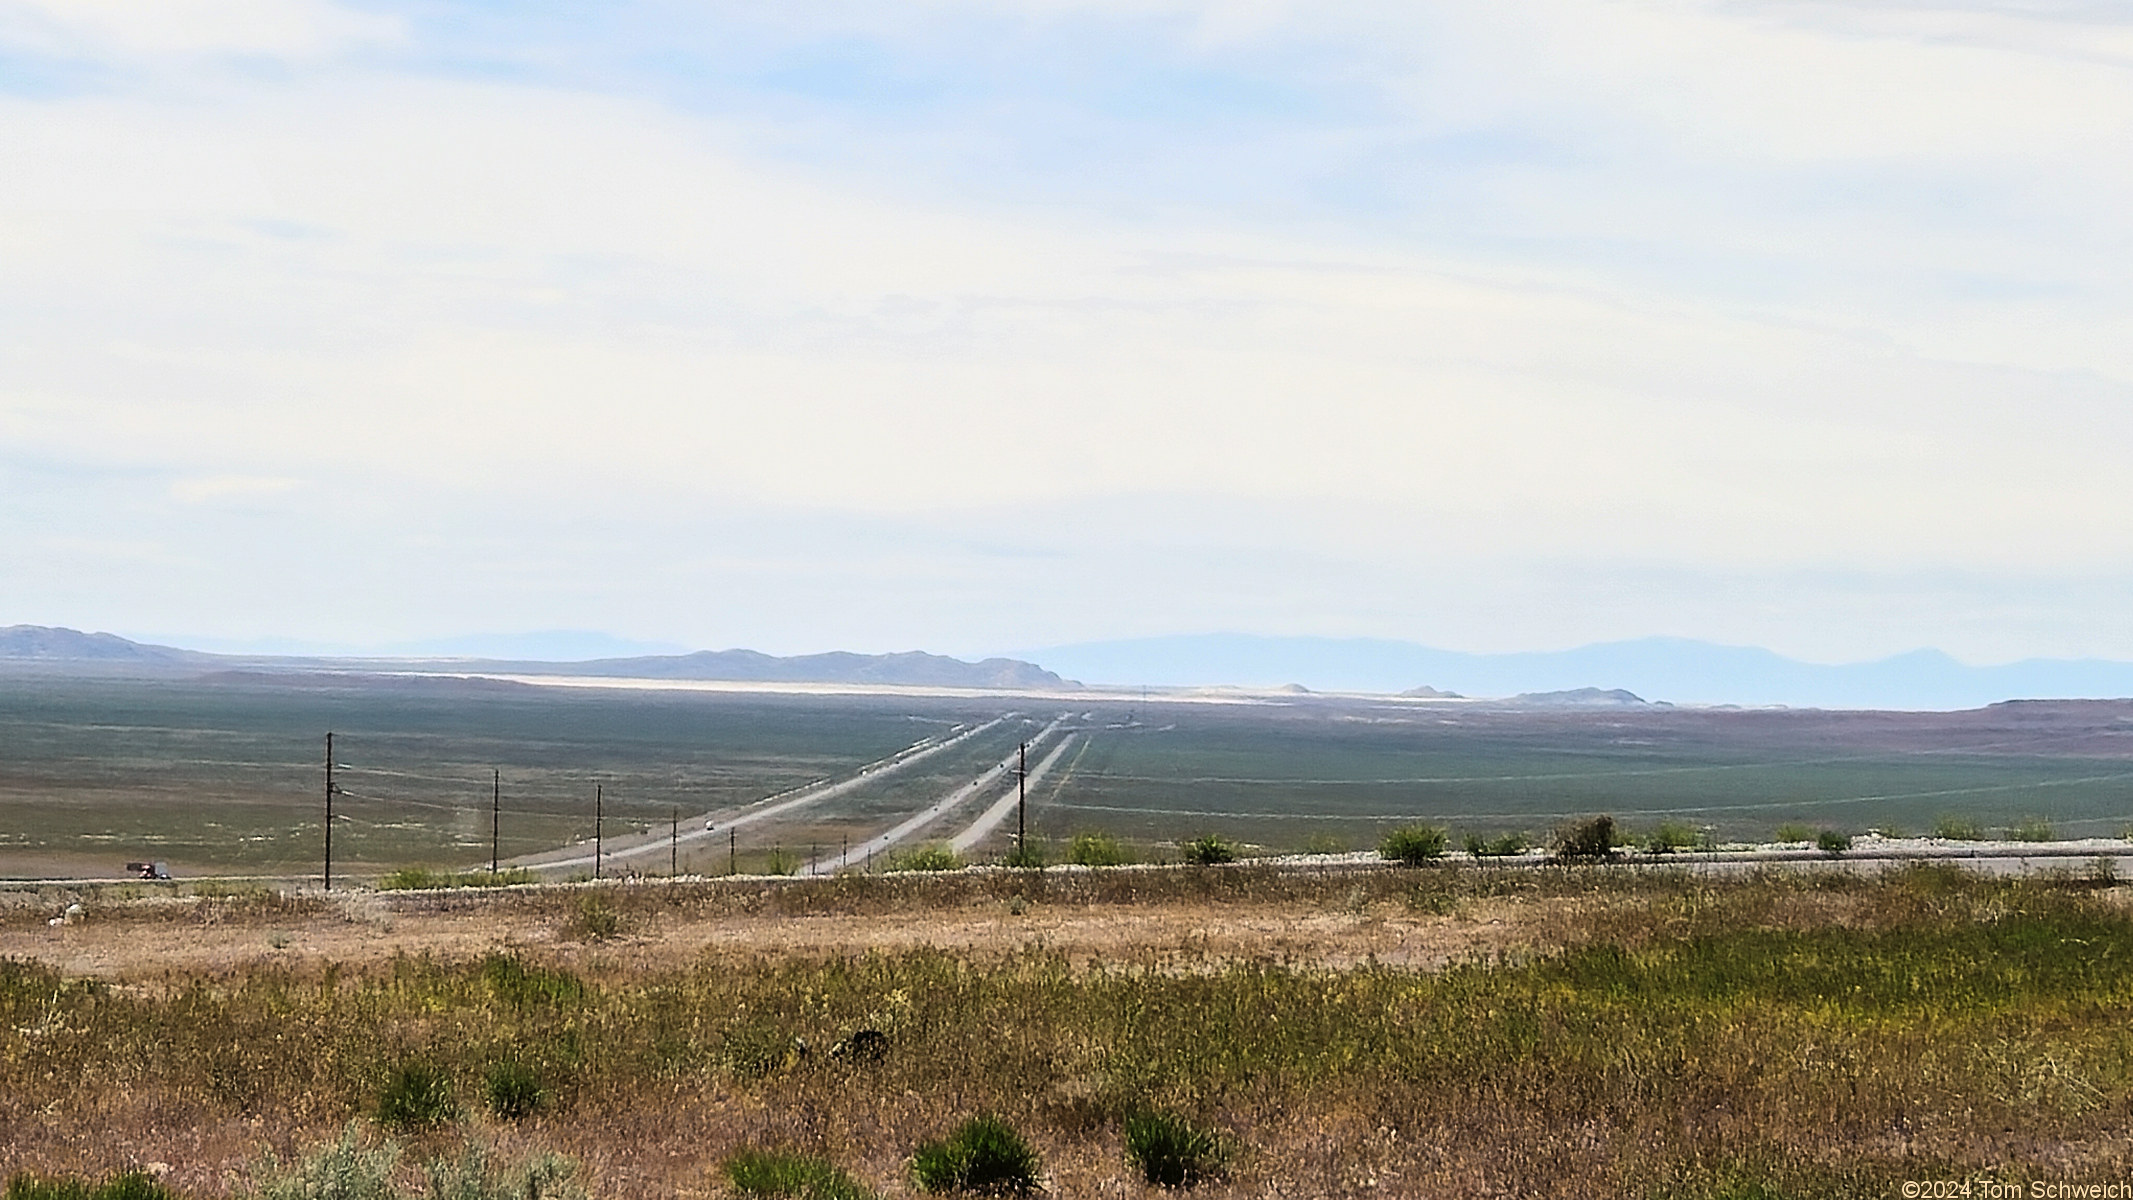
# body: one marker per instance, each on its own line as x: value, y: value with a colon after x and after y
x: 991, y: 818
x: 1004, y: 769
x: 715, y: 824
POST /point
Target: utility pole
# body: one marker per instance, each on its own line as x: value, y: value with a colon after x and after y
x: 1022, y: 802
x: 496, y: 816
x: 674, y: 846
x: 331, y: 788
x: 599, y: 811
x: 733, y: 852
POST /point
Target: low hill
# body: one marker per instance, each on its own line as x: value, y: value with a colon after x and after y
x: 47, y: 648
x: 53, y: 644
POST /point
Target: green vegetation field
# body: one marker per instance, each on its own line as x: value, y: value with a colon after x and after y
x: 223, y: 775
x: 1668, y: 1037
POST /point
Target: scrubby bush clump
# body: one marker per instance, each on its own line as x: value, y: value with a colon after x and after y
x: 1170, y: 1151
x: 1096, y: 848
x: 1208, y: 851
x: 1590, y: 840
x: 1503, y: 846
x: 1833, y: 842
x: 926, y: 858
x: 1671, y: 836
x: 773, y: 1175
x: 985, y: 1155
x: 1413, y: 845
x: 345, y: 1170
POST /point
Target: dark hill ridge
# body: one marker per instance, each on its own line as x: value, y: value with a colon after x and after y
x: 47, y: 648
x: 49, y: 643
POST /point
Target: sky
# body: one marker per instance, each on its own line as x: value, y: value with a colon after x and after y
x: 975, y: 326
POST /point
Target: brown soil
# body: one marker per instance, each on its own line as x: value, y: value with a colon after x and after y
x: 147, y: 940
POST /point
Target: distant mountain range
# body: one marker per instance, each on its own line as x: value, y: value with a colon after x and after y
x: 1609, y: 674
x: 1672, y: 669
x: 60, y: 649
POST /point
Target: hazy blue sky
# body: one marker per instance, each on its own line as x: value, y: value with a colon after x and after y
x: 1493, y: 325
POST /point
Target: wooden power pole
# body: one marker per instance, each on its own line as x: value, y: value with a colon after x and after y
x: 496, y: 816
x: 330, y: 790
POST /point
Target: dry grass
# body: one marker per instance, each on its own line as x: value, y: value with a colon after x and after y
x: 1641, y: 1034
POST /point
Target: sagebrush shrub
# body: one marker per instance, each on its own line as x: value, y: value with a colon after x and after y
x: 477, y: 1175
x: 340, y: 1170
x: 1831, y: 842
x: 985, y: 1155
x: 1170, y: 1151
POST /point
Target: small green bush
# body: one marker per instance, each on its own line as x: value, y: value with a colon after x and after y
x: 129, y: 1185
x: 1325, y: 843
x: 781, y: 862
x: 1959, y: 829
x: 1413, y: 845
x: 985, y: 1155
x: 1208, y: 851
x: 771, y: 1174
x: 1170, y: 1151
x: 1590, y: 840
x: 1095, y: 848
x: 1027, y: 855
x: 1671, y: 836
x: 1795, y: 831
x: 925, y: 858
x: 1503, y: 846
x: 513, y: 1090
x: 417, y: 1095
x: 1833, y: 843
x: 2032, y: 829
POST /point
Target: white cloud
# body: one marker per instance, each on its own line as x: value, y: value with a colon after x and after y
x: 150, y: 29
x: 607, y: 315
x: 206, y: 489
